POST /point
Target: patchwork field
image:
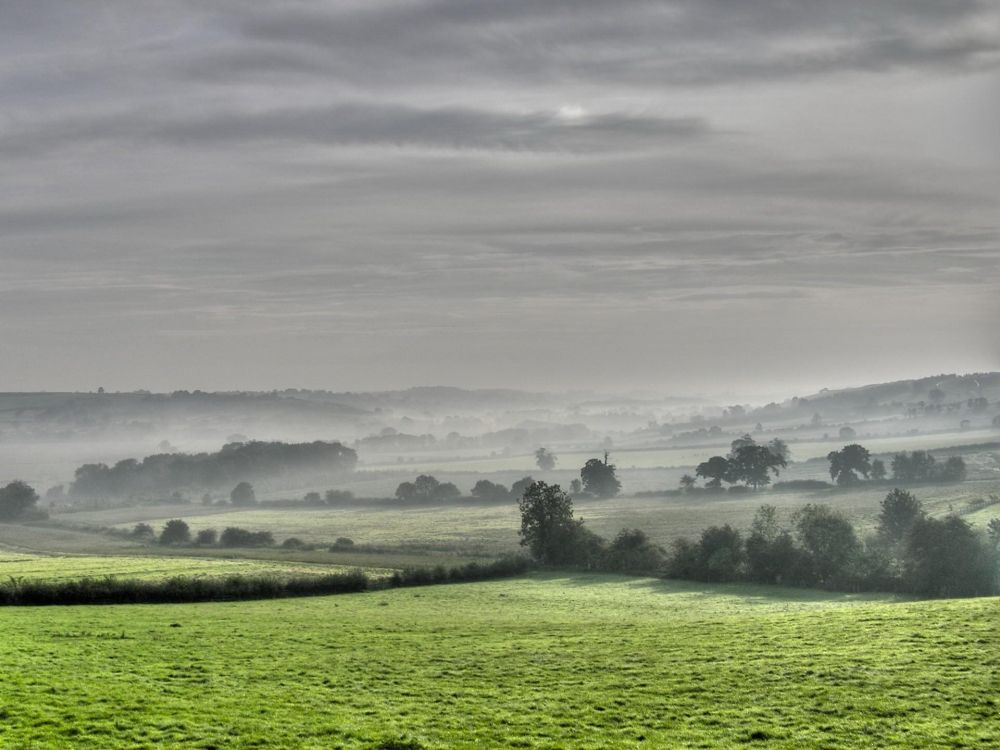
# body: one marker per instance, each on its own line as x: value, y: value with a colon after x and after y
x: 545, y: 661
x: 51, y: 568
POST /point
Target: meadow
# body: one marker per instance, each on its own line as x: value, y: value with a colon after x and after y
x: 488, y: 530
x: 549, y: 660
x: 29, y: 567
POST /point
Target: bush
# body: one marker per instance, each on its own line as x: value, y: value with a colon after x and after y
x: 336, y: 497
x: 632, y: 552
x: 206, y: 537
x: 16, y: 500
x: 293, y: 542
x: 342, y: 542
x: 175, y: 532
x: 233, y: 536
x: 143, y: 531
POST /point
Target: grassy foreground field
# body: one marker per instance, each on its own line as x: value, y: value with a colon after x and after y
x: 545, y: 661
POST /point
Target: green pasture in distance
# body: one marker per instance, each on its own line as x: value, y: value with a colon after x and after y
x: 547, y: 661
x: 16, y: 566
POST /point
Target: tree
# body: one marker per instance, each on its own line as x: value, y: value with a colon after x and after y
x: 847, y: 463
x: 715, y: 470
x: 545, y: 459
x: 770, y: 551
x: 632, y: 552
x: 688, y: 482
x: 753, y: 464
x: 487, y: 491
x: 599, y: 478
x: 828, y: 540
x: 945, y: 558
x: 517, y: 489
x: 243, y: 494
x: 899, y: 511
x: 206, y: 537
x: 878, y: 470
x: 780, y: 448
x: 16, y: 499
x: 143, y: 531
x: 741, y: 442
x: 720, y: 554
x: 936, y: 395
x: 175, y: 532
x: 847, y: 433
x: 953, y: 470
x: 548, y: 528
x: 575, y: 486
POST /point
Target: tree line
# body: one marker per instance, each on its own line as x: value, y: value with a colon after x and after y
x: 165, y: 472
x: 910, y: 551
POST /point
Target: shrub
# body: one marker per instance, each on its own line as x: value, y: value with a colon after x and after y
x: 206, y: 537
x: 16, y: 500
x: 233, y: 536
x: 175, y: 531
x: 293, y: 542
x: 342, y: 542
x: 143, y: 531
x: 243, y: 494
x: 335, y: 497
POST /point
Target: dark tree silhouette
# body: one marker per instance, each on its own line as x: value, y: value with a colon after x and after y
x: 16, y: 499
x: 175, y: 532
x: 548, y: 528
x: 243, y: 494
x: 849, y: 462
x: 599, y: 477
x: 715, y: 470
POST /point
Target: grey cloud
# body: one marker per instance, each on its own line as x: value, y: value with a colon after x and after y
x: 360, y: 124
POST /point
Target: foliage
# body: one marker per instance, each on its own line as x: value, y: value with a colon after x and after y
x: 921, y: 466
x: 899, y: 511
x: 829, y: 542
x: 488, y: 491
x: 945, y: 558
x: 548, y: 528
x: 631, y: 551
x: 426, y: 488
x: 715, y: 470
x: 848, y: 463
x: 206, y: 537
x: 233, y: 536
x: 243, y: 495
x: 175, y: 531
x: 16, y: 500
x: 167, y: 472
x: 545, y: 459
x: 599, y: 478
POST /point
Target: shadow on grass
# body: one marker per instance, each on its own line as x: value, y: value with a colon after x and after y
x: 750, y: 593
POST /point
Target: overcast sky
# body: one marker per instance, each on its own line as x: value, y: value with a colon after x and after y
x: 689, y: 196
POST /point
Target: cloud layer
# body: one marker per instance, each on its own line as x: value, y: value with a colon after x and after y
x: 681, y: 195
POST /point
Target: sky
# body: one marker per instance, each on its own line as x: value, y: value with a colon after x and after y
x: 686, y: 196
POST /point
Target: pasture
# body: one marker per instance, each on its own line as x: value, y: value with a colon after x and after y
x: 14, y: 565
x: 489, y: 530
x: 580, y: 661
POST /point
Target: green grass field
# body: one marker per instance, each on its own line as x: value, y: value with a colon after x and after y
x: 546, y: 661
x: 476, y: 530
x: 56, y: 568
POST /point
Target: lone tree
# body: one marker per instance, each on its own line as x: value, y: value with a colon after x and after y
x: 599, y: 477
x: 548, y: 528
x: 545, y: 459
x: 847, y: 463
x: 687, y: 482
x: 243, y: 494
x: 715, y: 470
x: 753, y: 464
x: 175, y: 532
x: 16, y: 499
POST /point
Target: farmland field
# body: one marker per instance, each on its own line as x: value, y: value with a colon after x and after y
x: 545, y: 661
x: 484, y: 530
x: 51, y: 568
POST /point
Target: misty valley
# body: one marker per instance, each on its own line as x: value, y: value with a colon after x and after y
x: 393, y: 545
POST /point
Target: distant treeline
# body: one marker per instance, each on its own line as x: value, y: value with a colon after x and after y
x: 166, y: 472
x: 180, y: 589
x: 909, y: 552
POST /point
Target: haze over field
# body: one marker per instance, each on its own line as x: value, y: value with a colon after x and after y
x: 759, y: 197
